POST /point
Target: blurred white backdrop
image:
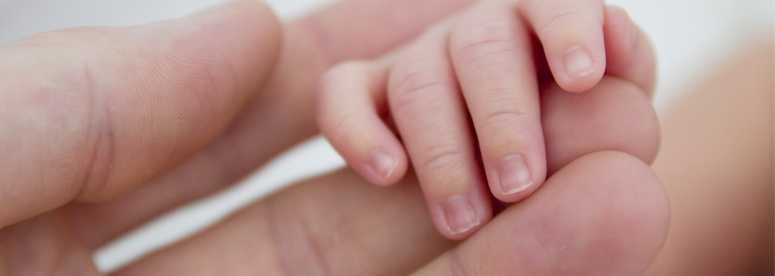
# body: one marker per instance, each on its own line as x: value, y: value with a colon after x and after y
x: 690, y: 36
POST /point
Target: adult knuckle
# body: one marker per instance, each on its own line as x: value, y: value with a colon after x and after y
x: 89, y: 115
x: 71, y: 106
x: 100, y: 133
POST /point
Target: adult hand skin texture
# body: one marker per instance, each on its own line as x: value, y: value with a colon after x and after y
x: 105, y: 128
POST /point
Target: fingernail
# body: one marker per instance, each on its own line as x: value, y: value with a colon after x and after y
x: 459, y: 214
x: 383, y: 164
x: 514, y: 175
x: 578, y: 62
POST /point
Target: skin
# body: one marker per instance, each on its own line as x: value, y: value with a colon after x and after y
x: 716, y: 162
x: 61, y: 241
x: 462, y: 102
x: 313, y: 41
x: 336, y: 225
x: 121, y: 157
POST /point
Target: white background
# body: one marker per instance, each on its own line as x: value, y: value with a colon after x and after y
x: 690, y: 35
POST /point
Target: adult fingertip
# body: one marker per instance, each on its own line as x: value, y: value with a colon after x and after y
x: 639, y: 225
x: 615, y: 115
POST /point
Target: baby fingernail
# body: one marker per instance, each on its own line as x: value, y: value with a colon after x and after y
x: 578, y: 62
x: 459, y: 214
x: 382, y: 164
x: 514, y: 175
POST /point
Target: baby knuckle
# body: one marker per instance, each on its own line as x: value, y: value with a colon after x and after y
x: 415, y: 88
x: 561, y: 18
x: 483, y: 41
x: 440, y: 158
x: 504, y: 128
x: 504, y: 118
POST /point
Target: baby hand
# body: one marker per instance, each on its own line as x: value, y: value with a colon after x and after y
x: 465, y: 100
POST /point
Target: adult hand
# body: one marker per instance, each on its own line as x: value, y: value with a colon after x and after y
x: 104, y: 128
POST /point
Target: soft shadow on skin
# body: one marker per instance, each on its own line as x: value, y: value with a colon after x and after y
x: 716, y: 163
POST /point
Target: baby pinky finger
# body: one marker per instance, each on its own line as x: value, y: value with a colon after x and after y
x: 349, y: 101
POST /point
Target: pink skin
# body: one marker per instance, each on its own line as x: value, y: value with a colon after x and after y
x: 188, y: 135
x: 603, y: 213
x: 572, y: 35
x: 441, y: 103
x: 594, y: 235
x: 204, y: 114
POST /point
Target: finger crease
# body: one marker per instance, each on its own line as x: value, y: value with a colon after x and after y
x: 289, y: 256
x: 441, y: 159
x: 505, y: 116
x: 553, y: 21
x: 101, y: 131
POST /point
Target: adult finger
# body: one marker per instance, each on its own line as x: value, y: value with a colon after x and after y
x: 281, y: 115
x: 90, y: 113
x: 602, y: 109
x: 616, y: 228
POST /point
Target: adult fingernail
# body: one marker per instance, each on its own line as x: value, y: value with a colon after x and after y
x: 382, y: 164
x: 578, y: 62
x: 514, y: 175
x: 459, y: 214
